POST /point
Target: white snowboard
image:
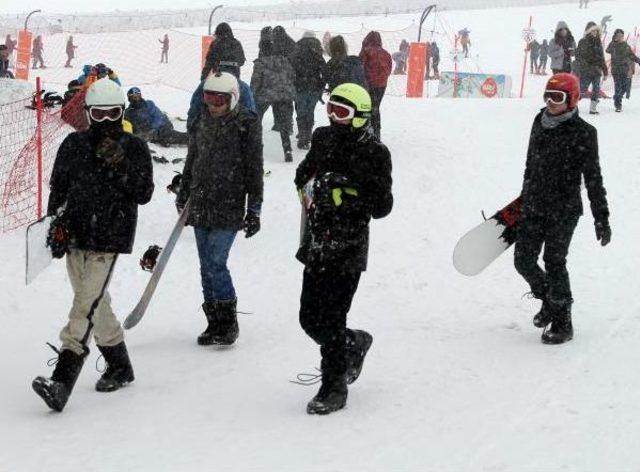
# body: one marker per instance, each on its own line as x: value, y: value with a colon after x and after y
x: 38, y: 254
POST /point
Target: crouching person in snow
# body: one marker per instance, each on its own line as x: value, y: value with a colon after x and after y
x: 562, y: 149
x: 223, y: 183
x: 352, y: 172
x: 100, y: 176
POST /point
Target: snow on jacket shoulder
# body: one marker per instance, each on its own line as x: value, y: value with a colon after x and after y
x: 273, y: 79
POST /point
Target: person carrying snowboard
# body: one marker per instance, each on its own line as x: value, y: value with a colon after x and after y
x: 99, y: 178
x: 352, y: 172
x: 223, y: 182
x: 563, y: 148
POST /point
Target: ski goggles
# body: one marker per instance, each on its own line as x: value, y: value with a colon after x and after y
x: 557, y: 97
x: 340, y: 111
x: 102, y: 113
x: 216, y: 99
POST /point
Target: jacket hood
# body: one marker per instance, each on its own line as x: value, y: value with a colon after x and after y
x: 591, y: 27
x: 223, y: 30
x: 562, y: 25
x: 373, y: 39
x: 310, y: 44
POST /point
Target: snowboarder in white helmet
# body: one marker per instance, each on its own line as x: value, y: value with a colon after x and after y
x: 352, y: 172
x: 99, y: 178
x: 223, y: 182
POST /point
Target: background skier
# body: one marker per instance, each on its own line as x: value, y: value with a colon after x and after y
x: 590, y: 64
x: 164, y: 53
x: 377, y: 68
x: 622, y: 61
x: 36, y: 53
x: 150, y: 123
x: 5, y: 73
x: 70, y: 49
x: 225, y: 53
x: 561, y: 49
x: 343, y: 68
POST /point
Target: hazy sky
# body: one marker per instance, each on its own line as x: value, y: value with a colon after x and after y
x: 83, y: 6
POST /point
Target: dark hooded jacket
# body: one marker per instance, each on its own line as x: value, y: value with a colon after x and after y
x: 310, y: 66
x: 343, y: 70
x: 366, y: 164
x: 101, y: 199
x: 557, y: 160
x: 376, y: 61
x: 5, y: 73
x: 273, y: 78
x: 224, y: 169
x: 225, y: 53
x: 282, y: 42
x: 622, y: 58
x: 590, y: 60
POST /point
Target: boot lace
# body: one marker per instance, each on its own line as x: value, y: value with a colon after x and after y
x: 54, y: 360
x: 307, y: 379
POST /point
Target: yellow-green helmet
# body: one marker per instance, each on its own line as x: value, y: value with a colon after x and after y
x: 357, y: 97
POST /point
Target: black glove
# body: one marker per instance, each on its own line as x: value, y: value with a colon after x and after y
x: 58, y: 237
x: 150, y: 258
x: 603, y: 232
x: 174, y: 186
x: 111, y: 152
x: 251, y: 224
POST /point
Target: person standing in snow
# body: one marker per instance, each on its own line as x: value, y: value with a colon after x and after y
x: 563, y: 149
x: 222, y: 182
x: 343, y: 68
x: 164, y: 54
x: 5, y: 73
x: 99, y: 178
x: 590, y: 64
x: 435, y: 60
x: 352, y: 172
x: 622, y: 60
x: 71, y: 51
x: 561, y: 49
x: 36, y: 53
x: 534, y: 56
x: 273, y: 85
x: 544, y: 55
x: 225, y: 53
x: 465, y: 41
x: 377, y: 68
x: 310, y: 69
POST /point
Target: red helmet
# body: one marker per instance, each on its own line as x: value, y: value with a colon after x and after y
x: 567, y: 83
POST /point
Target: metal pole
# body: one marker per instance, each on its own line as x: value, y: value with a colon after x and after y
x: 39, y: 145
x: 423, y: 18
x: 211, y: 16
x: 29, y: 16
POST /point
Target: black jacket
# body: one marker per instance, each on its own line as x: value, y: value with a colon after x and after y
x: 224, y: 169
x: 310, y: 66
x: 622, y: 58
x: 557, y: 160
x: 348, y: 69
x: 5, y: 73
x: 225, y: 54
x: 101, y: 199
x: 590, y: 60
x: 366, y: 163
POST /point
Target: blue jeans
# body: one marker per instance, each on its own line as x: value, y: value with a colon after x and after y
x: 305, y: 111
x: 594, y: 81
x: 213, y: 249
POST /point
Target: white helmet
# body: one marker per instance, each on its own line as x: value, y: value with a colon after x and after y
x: 104, y: 92
x: 224, y: 82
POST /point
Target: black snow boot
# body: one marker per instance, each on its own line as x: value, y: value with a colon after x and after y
x: 331, y: 397
x: 561, y: 329
x: 56, y: 391
x: 207, y: 337
x: 357, y: 346
x: 544, y: 316
x: 228, y: 330
x: 119, y: 371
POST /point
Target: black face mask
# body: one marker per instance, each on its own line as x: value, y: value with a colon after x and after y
x: 107, y: 129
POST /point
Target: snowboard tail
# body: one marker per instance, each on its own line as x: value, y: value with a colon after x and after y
x: 479, y: 247
x: 138, y: 312
x: 39, y: 256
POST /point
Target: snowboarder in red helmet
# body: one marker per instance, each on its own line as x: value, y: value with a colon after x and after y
x: 562, y: 149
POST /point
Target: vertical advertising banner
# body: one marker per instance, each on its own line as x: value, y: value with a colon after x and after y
x: 417, y: 69
x: 24, y: 55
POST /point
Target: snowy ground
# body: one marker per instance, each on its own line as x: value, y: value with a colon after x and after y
x: 456, y: 378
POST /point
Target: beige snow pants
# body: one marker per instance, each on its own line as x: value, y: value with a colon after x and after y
x: 90, y: 273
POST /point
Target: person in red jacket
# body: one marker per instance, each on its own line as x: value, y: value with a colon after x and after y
x: 377, y: 67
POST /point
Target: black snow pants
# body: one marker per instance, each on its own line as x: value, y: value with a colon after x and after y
x: 555, y: 233
x: 167, y: 136
x: 283, y: 119
x: 376, y: 98
x: 324, y: 303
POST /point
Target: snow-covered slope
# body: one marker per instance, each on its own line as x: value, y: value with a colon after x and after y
x: 456, y: 379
